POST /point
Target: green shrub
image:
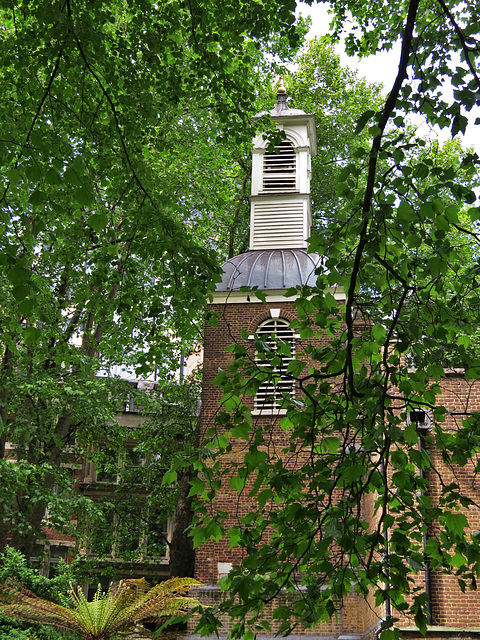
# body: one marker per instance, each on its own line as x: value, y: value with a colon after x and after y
x: 14, y: 566
x: 10, y: 630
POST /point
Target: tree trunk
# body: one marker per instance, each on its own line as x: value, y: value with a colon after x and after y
x: 182, y: 557
x: 22, y: 540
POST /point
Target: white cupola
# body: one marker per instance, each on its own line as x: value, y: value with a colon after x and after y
x: 280, y: 209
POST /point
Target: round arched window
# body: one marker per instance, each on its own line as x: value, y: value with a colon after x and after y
x: 275, y: 349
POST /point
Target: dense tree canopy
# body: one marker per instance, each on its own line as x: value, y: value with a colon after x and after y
x: 111, y: 117
x: 114, y: 120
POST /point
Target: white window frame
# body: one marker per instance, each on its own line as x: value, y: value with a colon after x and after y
x: 122, y: 464
x: 269, y: 397
x: 143, y: 556
x: 46, y: 562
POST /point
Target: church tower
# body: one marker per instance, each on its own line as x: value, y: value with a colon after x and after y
x: 278, y: 260
x: 280, y: 209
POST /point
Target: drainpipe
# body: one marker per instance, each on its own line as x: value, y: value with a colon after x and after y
x: 388, y: 606
x: 428, y: 584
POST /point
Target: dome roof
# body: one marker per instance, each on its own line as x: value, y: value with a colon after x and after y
x: 270, y: 269
x: 281, y: 109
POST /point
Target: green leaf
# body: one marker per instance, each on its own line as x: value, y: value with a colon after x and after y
x: 37, y: 197
x: 21, y: 292
x: 197, y: 487
x: 458, y: 560
x: 13, y: 176
x: 72, y: 178
x: 18, y: 275
x: 455, y: 522
x: 85, y: 198
x: 332, y: 444
x: 406, y: 211
x: 241, y: 432
x: 237, y: 483
x: 98, y: 221
x: 362, y: 120
x: 169, y: 477
x: 474, y: 213
x: 295, y: 367
x: 32, y: 335
x: 351, y: 473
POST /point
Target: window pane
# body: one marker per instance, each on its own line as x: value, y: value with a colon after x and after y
x: 107, y: 466
x: 134, y: 458
x: 157, y: 539
x: 57, y: 553
x: 128, y: 537
x: 102, y: 532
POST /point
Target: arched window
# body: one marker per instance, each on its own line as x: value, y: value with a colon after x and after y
x: 279, y: 168
x: 276, y: 346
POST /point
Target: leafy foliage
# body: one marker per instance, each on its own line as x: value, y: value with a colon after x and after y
x: 14, y: 569
x: 338, y: 97
x: 14, y: 566
x: 30, y: 633
x: 113, y: 119
x: 120, y: 609
x: 132, y: 507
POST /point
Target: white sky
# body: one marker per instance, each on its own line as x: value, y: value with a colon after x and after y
x: 380, y: 68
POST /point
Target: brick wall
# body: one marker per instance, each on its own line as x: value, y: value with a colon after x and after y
x: 356, y: 617
x: 451, y: 608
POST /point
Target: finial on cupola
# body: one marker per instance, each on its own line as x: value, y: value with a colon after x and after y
x: 281, y: 96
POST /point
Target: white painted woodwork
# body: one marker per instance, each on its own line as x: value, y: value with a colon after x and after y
x: 280, y: 222
x: 280, y: 210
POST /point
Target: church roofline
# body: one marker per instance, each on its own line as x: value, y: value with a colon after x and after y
x: 296, y: 119
x: 271, y: 296
x: 283, y: 114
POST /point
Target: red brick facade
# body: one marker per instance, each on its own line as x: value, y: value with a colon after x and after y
x: 232, y: 319
x: 454, y: 614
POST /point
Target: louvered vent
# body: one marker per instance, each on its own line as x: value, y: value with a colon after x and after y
x: 271, y: 394
x: 420, y: 418
x: 278, y: 225
x: 279, y: 169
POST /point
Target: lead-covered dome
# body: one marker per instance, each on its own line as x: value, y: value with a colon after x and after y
x: 270, y: 269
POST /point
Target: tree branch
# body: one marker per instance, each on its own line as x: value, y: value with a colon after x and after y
x: 463, y: 42
x: 372, y: 170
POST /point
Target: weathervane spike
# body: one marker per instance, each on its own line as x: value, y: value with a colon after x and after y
x: 281, y: 96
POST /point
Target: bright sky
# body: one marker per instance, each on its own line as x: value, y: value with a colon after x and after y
x: 380, y: 68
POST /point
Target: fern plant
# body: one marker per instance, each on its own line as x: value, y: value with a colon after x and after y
x: 109, y: 614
